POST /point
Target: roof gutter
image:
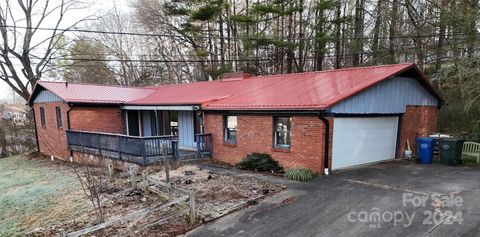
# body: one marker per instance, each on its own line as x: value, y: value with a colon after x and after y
x: 326, y: 143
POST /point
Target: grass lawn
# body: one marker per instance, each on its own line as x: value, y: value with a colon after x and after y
x: 35, y: 194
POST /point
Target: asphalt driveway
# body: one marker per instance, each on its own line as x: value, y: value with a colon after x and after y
x: 397, y: 198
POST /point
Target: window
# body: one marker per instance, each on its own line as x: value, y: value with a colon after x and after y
x: 58, y: 110
x: 282, y: 130
x: 230, y: 129
x: 42, y: 117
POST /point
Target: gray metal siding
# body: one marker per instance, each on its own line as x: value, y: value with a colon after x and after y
x: 186, y: 129
x: 389, y: 97
x: 46, y: 96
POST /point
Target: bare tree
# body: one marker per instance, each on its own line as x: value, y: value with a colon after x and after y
x: 91, y: 187
x: 20, y: 23
x: 130, y: 55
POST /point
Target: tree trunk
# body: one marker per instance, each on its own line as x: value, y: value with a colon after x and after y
x: 472, y: 17
x: 301, y: 41
x: 290, y: 54
x: 376, y: 32
x: 392, y: 31
x: 338, y: 41
x: 320, y: 45
x: 358, y: 32
x: 222, y: 40
x: 441, y: 36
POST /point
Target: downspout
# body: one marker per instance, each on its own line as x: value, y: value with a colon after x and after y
x: 202, y: 125
x: 326, y: 139
x: 35, y: 127
x: 70, y: 107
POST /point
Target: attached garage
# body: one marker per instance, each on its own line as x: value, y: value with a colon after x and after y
x: 363, y: 140
x: 338, y: 118
x: 373, y: 125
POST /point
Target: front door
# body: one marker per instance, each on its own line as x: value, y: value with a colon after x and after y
x: 186, y: 129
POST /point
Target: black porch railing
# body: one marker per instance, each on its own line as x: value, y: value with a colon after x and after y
x: 204, y: 145
x: 139, y: 150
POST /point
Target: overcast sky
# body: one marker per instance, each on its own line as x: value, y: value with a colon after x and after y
x: 96, y: 6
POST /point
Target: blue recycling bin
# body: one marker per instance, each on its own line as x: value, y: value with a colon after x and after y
x: 425, y: 149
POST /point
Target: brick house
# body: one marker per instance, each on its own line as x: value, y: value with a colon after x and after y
x: 318, y: 120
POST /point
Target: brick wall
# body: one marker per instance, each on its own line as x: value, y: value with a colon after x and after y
x: 255, y: 134
x: 416, y: 120
x: 52, y: 140
x: 98, y: 119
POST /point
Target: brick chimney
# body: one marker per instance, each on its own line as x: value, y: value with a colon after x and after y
x: 236, y: 76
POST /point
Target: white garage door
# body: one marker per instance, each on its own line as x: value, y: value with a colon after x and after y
x: 363, y: 140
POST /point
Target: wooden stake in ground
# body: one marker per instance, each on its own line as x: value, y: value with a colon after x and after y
x: 145, y: 182
x: 166, y: 162
x: 191, y: 203
x: 133, y: 176
x: 111, y: 171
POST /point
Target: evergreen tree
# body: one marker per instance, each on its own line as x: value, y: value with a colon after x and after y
x: 83, y: 69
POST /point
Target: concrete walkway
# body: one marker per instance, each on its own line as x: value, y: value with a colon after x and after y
x: 345, y: 204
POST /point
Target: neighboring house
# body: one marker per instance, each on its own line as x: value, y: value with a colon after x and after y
x: 352, y: 116
x: 17, y: 115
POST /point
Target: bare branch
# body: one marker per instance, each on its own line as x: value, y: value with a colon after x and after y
x: 33, y: 14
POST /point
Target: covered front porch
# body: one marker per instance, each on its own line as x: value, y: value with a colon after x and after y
x: 180, y: 122
x: 146, y: 130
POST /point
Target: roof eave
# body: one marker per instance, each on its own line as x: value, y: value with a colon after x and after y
x: 34, y: 93
x: 426, y: 83
x: 30, y: 99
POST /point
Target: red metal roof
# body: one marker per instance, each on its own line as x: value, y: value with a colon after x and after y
x: 296, y: 91
x: 88, y: 93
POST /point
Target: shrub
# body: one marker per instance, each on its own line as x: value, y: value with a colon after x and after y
x: 300, y: 174
x: 260, y: 162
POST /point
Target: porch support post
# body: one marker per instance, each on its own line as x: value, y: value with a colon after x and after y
x: 126, y: 122
x: 202, y: 122
x: 140, y: 127
x: 157, y: 132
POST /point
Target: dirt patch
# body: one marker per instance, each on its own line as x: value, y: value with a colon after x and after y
x: 52, y: 199
x: 216, y: 193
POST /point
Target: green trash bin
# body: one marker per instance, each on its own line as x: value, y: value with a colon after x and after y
x: 450, y: 151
